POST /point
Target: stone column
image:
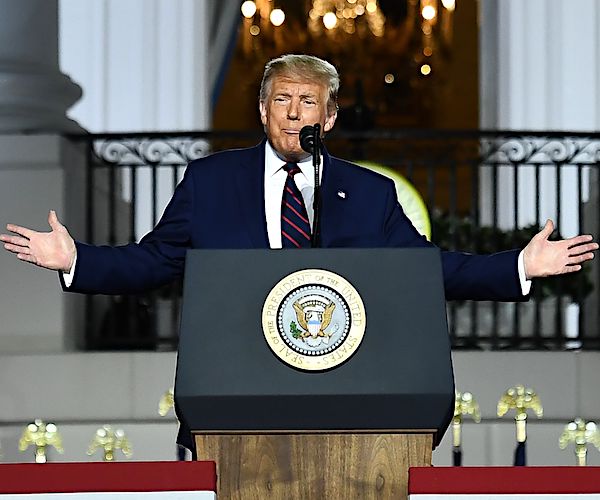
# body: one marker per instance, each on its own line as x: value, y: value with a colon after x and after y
x: 143, y: 63
x: 539, y: 65
x: 39, y: 170
x: 34, y: 94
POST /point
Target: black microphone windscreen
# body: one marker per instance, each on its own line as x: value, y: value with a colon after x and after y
x: 307, y: 138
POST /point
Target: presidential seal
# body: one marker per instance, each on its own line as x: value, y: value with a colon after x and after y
x: 313, y: 320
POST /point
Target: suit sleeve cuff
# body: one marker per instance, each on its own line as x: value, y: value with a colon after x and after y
x: 68, y: 277
x: 525, y: 283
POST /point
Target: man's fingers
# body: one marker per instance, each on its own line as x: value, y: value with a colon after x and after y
x: 577, y: 259
x: 578, y: 240
x: 23, y: 231
x: 26, y: 258
x: 580, y: 249
x: 571, y: 269
x: 15, y: 240
x: 17, y: 248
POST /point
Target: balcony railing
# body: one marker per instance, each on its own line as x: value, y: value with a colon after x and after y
x: 486, y: 191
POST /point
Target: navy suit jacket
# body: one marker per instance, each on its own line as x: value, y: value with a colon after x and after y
x: 220, y: 204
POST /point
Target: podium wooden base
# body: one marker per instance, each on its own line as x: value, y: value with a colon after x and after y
x: 314, y: 466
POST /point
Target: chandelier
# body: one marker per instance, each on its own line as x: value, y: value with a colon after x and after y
x: 428, y: 23
x: 346, y: 15
x: 393, y: 54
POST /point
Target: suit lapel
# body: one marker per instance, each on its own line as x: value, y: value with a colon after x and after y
x: 250, y: 189
x: 332, y: 199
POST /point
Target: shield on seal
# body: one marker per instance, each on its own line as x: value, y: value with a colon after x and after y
x: 313, y: 321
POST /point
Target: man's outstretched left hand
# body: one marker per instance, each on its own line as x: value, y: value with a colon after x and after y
x: 542, y: 257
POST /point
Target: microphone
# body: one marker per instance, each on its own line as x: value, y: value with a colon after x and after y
x: 307, y: 138
x: 310, y: 141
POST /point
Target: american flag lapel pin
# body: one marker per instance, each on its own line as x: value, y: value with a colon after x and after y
x: 342, y: 194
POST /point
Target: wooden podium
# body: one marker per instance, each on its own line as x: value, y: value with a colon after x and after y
x: 348, y: 432
x: 320, y: 466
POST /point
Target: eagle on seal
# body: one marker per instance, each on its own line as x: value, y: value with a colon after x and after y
x: 304, y: 318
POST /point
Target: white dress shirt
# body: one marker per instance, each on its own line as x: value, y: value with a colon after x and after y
x: 275, y: 177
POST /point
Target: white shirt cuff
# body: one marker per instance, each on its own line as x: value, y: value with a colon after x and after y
x: 68, y: 277
x: 525, y: 283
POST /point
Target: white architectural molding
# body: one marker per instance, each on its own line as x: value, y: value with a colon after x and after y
x: 143, y: 64
x: 39, y: 173
x: 540, y: 66
x: 34, y: 94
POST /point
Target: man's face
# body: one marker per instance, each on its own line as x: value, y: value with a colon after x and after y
x: 290, y: 105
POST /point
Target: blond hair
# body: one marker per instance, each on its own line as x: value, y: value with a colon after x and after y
x: 302, y: 67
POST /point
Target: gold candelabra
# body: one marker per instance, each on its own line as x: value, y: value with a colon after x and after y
x: 40, y: 435
x: 109, y: 441
x: 167, y: 401
x: 464, y: 404
x: 520, y: 399
x: 581, y: 433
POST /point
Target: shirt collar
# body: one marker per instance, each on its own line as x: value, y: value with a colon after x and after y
x: 273, y: 164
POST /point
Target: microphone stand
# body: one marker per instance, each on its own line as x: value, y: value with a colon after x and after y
x: 316, y: 157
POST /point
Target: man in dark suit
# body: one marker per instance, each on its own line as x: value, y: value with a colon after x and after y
x: 261, y: 197
x: 233, y: 199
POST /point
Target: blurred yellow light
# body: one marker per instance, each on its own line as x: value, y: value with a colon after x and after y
x: 248, y: 9
x: 277, y: 17
x: 359, y: 9
x: 428, y: 12
x: 254, y: 30
x: 389, y: 78
x: 427, y: 51
x: 425, y: 69
x: 449, y: 4
x: 330, y: 20
x: 371, y: 7
x: 427, y: 29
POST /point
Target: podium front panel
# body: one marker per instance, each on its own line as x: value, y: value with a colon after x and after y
x: 399, y: 378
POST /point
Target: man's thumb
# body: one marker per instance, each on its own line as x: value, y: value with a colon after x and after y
x: 53, y: 220
x: 547, y: 229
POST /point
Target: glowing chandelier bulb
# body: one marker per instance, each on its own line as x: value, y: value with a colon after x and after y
x: 248, y: 9
x: 428, y: 12
x: 277, y: 17
x: 371, y: 6
x: 449, y: 4
x: 330, y: 20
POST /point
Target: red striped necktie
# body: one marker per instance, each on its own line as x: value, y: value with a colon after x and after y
x: 295, y: 228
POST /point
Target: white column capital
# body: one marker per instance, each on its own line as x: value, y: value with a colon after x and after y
x: 34, y: 94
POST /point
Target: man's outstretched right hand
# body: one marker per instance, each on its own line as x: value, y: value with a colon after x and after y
x: 53, y: 250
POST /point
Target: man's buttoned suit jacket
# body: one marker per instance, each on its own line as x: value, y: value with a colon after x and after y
x: 220, y: 204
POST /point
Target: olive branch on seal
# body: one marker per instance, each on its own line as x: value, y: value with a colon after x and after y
x: 294, y: 329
